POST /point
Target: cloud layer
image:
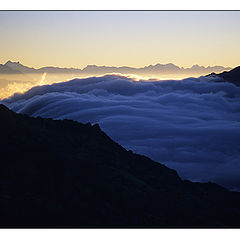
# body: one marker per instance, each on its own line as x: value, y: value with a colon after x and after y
x: 192, y: 125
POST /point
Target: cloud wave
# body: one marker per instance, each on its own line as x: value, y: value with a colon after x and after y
x: 192, y: 125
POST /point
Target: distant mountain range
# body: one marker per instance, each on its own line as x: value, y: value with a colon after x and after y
x: 163, y: 69
x: 61, y: 173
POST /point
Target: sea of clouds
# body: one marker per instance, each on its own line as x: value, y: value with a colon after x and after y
x: 191, y: 125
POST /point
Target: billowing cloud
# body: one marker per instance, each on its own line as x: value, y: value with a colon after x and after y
x: 192, y: 125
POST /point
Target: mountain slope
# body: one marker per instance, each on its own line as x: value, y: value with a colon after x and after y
x: 67, y: 174
x: 232, y: 76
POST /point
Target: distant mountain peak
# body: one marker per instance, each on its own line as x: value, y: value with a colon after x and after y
x: 12, y: 63
x: 19, y: 67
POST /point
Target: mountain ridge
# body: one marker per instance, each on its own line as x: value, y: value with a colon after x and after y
x: 158, y: 68
x: 232, y: 76
x: 61, y: 173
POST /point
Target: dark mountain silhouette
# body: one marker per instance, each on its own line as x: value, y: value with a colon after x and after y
x: 232, y: 76
x: 67, y: 174
x: 94, y: 69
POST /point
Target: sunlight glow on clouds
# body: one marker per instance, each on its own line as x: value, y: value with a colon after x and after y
x: 191, y: 125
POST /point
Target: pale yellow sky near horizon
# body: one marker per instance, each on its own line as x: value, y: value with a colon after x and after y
x: 135, y: 39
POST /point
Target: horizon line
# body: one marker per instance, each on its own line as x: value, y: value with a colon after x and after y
x: 164, y: 64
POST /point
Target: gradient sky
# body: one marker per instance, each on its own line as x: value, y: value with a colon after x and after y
x: 76, y: 39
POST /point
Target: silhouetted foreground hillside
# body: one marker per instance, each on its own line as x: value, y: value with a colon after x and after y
x: 232, y: 76
x: 67, y: 174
